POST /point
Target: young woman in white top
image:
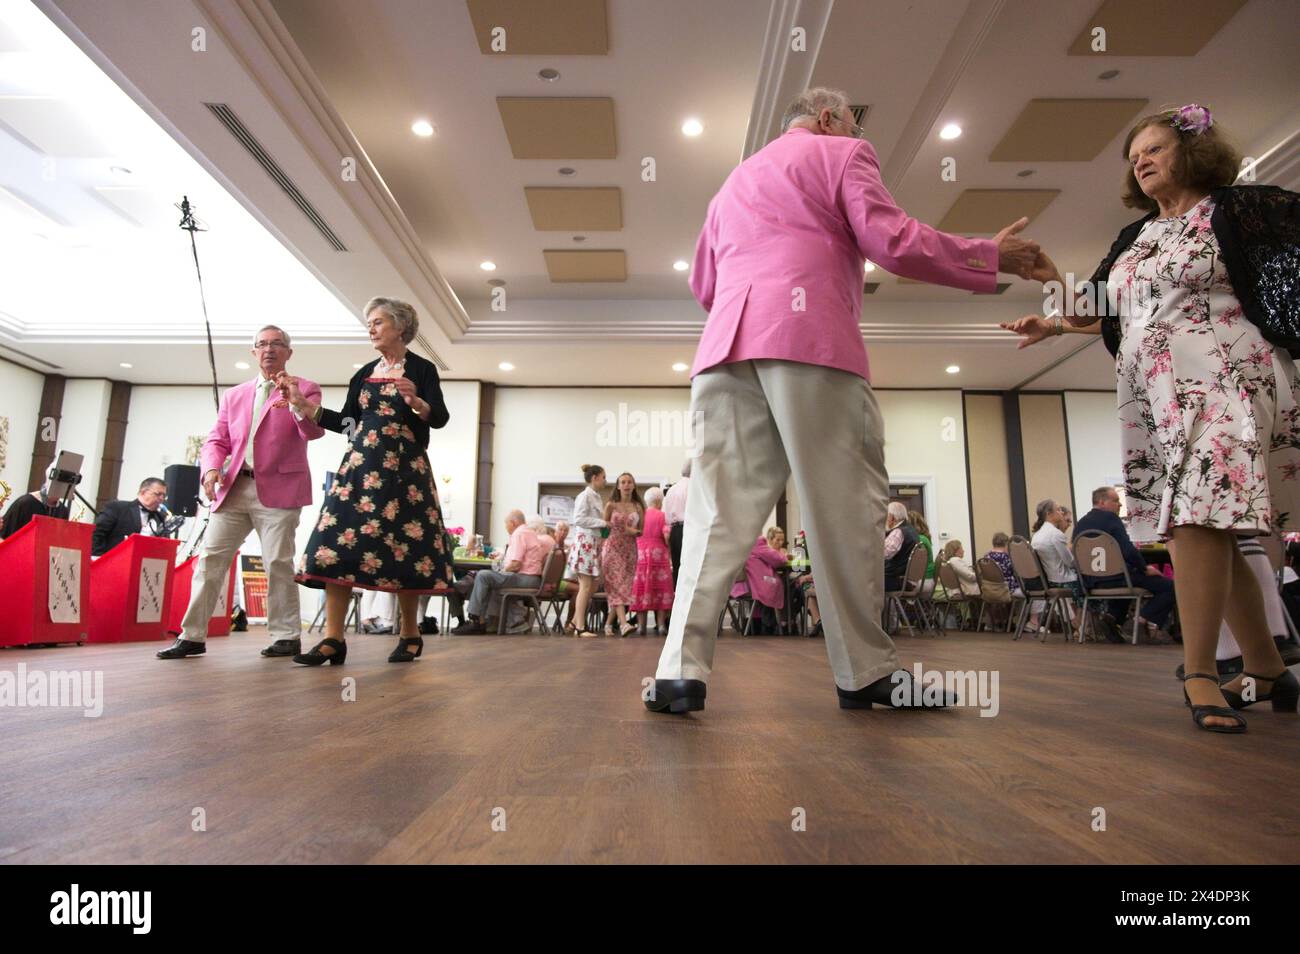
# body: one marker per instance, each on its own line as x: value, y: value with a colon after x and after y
x: 584, y: 552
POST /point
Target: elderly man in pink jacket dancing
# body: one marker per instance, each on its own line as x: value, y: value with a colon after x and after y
x: 257, y: 455
x: 780, y: 386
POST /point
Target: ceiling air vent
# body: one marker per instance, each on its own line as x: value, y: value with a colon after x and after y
x: 859, y: 114
x: 227, y: 118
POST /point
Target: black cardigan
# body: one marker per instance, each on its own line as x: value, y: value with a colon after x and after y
x: 425, y: 376
x: 1258, y: 231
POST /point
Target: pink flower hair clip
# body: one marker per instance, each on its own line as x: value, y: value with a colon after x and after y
x: 1192, y: 118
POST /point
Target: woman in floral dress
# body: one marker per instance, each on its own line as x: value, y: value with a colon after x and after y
x: 584, y: 552
x: 1208, y: 406
x: 624, y: 514
x: 380, y: 527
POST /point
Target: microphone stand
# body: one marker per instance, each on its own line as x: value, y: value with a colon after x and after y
x: 189, y: 224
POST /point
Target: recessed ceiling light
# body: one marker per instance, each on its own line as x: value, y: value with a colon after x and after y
x: 679, y: 367
x: 422, y: 127
x: 126, y: 364
x: 1108, y: 74
x: 549, y: 74
x: 488, y: 266
x: 692, y: 127
x: 566, y: 170
x: 1025, y: 173
x: 680, y: 266
x: 952, y: 369
x: 506, y: 366
x: 357, y: 366
x: 580, y: 238
x: 868, y: 266
x: 950, y: 131
x: 242, y: 365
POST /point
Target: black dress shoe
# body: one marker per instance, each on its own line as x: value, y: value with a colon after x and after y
x: 1111, y: 629
x: 471, y: 628
x: 1288, y: 650
x: 283, y: 647
x: 677, y: 695
x: 898, y: 690
x: 182, y: 648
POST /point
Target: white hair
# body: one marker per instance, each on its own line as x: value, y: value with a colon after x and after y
x: 288, y: 343
x: 898, y: 511
x: 402, y: 314
x: 811, y: 102
x: 654, y: 497
x: 536, y: 524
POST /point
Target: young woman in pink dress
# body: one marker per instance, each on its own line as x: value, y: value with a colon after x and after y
x: 653, y: 587
x: 623, y: 513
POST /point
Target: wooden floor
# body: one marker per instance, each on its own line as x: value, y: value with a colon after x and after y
x: 552, y: 731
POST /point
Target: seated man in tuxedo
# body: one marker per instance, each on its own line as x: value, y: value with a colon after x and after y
x: 38, y: 503
x: 1104, y: 516
x: 118, y: 519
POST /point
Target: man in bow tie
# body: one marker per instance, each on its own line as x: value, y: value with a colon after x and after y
x: 255, y: 473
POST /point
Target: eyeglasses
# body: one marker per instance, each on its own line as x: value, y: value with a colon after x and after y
x: 858, y: 131
x: 266, y: 345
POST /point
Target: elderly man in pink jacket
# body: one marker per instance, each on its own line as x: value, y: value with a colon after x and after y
x: 257, y: 455
x: 780, y: 387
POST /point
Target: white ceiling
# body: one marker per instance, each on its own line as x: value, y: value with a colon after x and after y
x: 317, y: 80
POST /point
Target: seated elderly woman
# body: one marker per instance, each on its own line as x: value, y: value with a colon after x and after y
x: 954, y: 555
x: 763, y: 584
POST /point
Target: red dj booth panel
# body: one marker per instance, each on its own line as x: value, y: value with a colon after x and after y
x: 131, y: 590
x: 45, y: 569
x: 219, y: 625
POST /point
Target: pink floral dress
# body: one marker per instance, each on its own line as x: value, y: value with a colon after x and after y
x: 618, y: 558
x: 1209, y: 409
x: 653, y: 587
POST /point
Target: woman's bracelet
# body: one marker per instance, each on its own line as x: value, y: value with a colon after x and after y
x: 1058, y: 323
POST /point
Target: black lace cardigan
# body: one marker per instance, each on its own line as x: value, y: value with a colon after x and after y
x: 1258, y: 231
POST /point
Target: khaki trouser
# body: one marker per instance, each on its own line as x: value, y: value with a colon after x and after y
x: 756, y: 423
x: 240, y: 514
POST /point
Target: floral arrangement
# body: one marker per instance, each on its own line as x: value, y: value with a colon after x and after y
x: 456, y: 533
x: 1192, y: 118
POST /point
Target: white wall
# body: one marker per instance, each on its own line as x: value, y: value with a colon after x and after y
x: 1095, y: 455
x: 21, y: 390
x: 82, y: 427
x: 546, y: 434
x: 161, y: 418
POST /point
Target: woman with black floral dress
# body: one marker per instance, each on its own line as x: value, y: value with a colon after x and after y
x: 380, y: 527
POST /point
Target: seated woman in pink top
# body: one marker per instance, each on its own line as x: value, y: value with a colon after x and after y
x: 653, y: 586
x: 762, y: 581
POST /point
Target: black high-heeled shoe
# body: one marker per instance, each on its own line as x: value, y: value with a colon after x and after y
x: 1284, y: 693
x: 314, y: 657
x: 402, y: 653
x: 1201, y: 713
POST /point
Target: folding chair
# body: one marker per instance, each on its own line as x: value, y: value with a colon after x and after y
x: 739, y: 608
x: 993, y: 591
x: 532, y: 596
x: 1273, y: 546
x: 1035, y: 585
x: 910, y: 594
x: 1097, y: 555
x: 953, y: 592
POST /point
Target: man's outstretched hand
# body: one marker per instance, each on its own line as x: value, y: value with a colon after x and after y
x: 1016, y: 255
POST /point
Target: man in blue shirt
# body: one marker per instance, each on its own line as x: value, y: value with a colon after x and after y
x: 1104, y: 516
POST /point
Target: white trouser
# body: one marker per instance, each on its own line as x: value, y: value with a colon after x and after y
x: 1258, y: 561
x: 241, y: 513
x: 756, y: 423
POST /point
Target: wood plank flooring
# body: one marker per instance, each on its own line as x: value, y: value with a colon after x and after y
x: 549, y: 736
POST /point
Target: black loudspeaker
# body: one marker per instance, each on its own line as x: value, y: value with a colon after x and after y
x: 182, y: 489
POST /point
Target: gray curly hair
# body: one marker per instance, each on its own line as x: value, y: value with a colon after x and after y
x: 811, y: 102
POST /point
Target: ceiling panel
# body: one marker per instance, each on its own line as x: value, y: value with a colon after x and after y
x: 1065, y: 130
x: 587, y: 265
x: 986, y: 211
x: 597, y: 209
x: 541, y: 27
x: 559, y: 127
x: 1155, y: 27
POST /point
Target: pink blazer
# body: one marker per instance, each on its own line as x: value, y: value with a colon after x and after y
x: 279, y: 454
x: 803, y: 213
x: 760, y: 576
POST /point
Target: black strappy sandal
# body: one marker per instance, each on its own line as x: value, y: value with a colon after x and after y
x: 1284, y: 693
x: 402, y: 653
x: 1201, y: 713
x: 314, y: 657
